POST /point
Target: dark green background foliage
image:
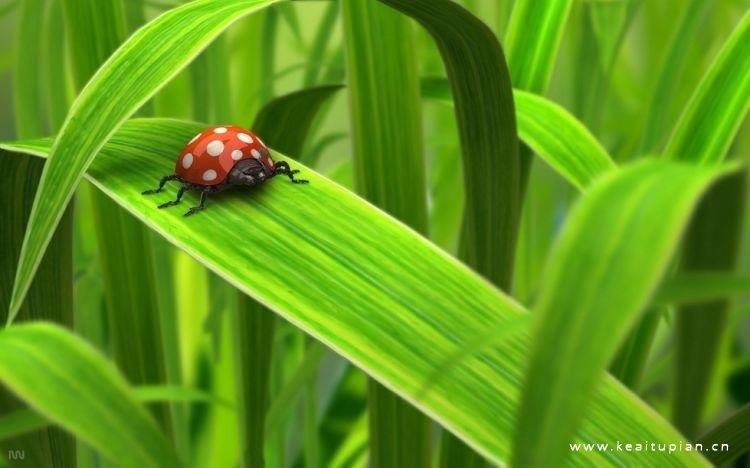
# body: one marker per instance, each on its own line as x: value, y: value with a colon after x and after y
x: 527, y: 226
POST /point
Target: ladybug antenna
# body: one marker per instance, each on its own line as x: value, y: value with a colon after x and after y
x: 283, y: 168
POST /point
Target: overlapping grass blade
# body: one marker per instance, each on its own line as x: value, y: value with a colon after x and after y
x: 719, y: 105
x: 712, y: 243
x: 624, y: 231
x: 532, y: 56
x: 25, y: 420
x: 409, y: 306
x: 50, y: 296
x: 285, y: 121
x: 67, y: 381
x: 132, y: 75
x: 389, y: 171
x: 551, y: 131
x: 691, y: 287
x: 731, y: 431
x: 95, y: 29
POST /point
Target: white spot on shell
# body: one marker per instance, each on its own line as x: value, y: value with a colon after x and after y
x: 236, y: 155
x: 220, y: 130
x: 256, y: 154
x: 187, y: 161
x: 245, y: 137
x: 215, y: 148
x: 209, y: 175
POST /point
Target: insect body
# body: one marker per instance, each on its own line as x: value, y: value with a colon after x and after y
x: 219, y: 158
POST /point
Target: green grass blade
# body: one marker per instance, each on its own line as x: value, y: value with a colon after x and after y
x: 68, y: 382
x: 623, y: 232
x: 719, y: 105
x: 320, y: 44
x: 551, y: 131
x: 57, y: 82
x: 712, y: 243
x: 732, y: 431
x: 284, y: 122
x: 50, y: 296
x: 661, y: 104
x: 95, y: 30
x: 386, y: 128
x: 27, y: 98
x: 133, y: 74
x: 691, y: 287
x: 24, y: 420
x: 531, y: 56
x: 317, y: 247
x: 480, y: 83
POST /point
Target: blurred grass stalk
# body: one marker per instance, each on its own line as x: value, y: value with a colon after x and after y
x: 386, y: 127
x: 51, y: 294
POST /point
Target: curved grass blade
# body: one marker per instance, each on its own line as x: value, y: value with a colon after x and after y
x: 732, y: 431
x: 316, y: 247
x: 719, y: 105
x: 296, y: 111
x: 551, y: 131
x: 480, y: 83
x: 136, y: 71
x: 65, y: 380
x: 623, y: 232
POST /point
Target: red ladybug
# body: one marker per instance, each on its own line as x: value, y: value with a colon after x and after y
x: 219, y: 158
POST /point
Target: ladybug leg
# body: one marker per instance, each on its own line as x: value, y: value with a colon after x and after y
x: 201, y: 205
x: 180, y: 193
x: 283, y: 168
x: 162, y: 182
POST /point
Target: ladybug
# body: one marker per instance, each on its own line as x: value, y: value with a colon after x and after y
x: 219, y: 158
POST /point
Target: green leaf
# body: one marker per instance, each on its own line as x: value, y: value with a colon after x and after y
x: 691, y: 287
x: 732, y: 431
x: 623, y: 232
x: 365, y: 285
x: 149, y: 58
x: 27, y: 95
x: 719, y: 105
x: 532, y: 56
x: 551, y: 131
x: 389, y: 171
x: 25, y: 420
x: 282, y: 120
x: 68, y: 382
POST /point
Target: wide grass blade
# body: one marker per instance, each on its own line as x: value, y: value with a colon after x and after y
x: 623, y: 232
x: 67, y: 381
x: 732, y: 431
x: 719, y: 105
x: 27, y: 98
x: 552, y: 132
x: 389, y: 171
x: 131, y: 76
x: 480, y: 84
x: 409, y: 306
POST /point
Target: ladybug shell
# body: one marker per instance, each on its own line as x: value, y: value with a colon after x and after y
x: 210, y: 156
